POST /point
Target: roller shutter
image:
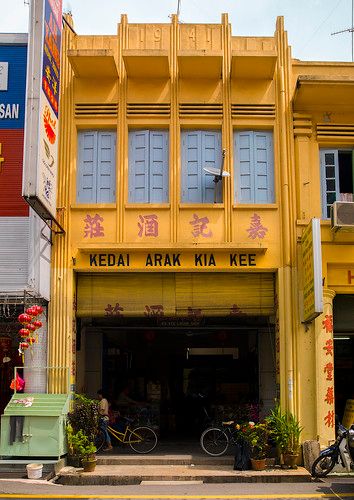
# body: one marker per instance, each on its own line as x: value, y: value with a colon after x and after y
x: 171, y: 294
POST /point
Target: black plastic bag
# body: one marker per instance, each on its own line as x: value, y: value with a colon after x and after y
x: 242, y: 456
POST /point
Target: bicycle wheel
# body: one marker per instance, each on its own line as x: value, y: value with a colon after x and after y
x: 142, y: 439
x: 100, y: 440
x: 323, y: 466
x: 214, y: 441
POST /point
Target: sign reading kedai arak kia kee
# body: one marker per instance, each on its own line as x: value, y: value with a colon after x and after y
x: 42, y: 109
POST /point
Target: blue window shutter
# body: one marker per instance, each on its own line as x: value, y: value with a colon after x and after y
x: 191, y: 167
x: 263, y: 167
x: 211, y: 157
x: 244, y: 167
x: 329, y: 180
x: 106, y: 167
x: 87, y: 167
x: 158, y: 166
x: 139, y: 166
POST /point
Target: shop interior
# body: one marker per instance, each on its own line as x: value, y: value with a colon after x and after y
x: 178, y: 377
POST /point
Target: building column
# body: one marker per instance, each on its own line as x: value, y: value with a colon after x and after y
x: 35, y: 371
x: 325, y: 370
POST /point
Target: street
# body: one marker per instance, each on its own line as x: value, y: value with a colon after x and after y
x: 334, y: 487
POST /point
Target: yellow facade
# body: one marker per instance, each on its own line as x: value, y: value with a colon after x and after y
x: 199, y: 76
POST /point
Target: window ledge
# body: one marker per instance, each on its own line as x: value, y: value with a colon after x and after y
x: 256, y: 206
x: 93, y: 206
x: 200, y: 205
x: 145, y: 206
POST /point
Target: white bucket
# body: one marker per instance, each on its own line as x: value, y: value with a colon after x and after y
x: 34, y: 471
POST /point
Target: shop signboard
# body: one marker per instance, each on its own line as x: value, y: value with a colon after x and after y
x: 178, y: 260
x: 13, y: 60
x: 312, y: 271
x: 42, y: 118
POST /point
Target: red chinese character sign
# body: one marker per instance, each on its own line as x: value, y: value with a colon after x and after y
x: 325, y: 384
x: 200, y: 227
x: 93, y: 226
x: 148, y: 225
x: 256, y: 229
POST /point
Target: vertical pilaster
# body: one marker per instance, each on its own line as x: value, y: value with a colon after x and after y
x: 325, y: 370
x: 62, y: 278
x: 288, y: 307
x: 175, y: 143
x: 122, y: 130
x: 303, y: 133
x: 227, y: 126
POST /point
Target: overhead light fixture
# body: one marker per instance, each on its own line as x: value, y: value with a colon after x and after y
x: 341, y: 338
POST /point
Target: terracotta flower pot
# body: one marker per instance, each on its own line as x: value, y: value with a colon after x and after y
x: 290, y: 459
x: 258, y: 464
x: 89, y: 465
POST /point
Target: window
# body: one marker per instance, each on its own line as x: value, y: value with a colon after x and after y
x: 96, y: 173
x: 254, y: 167
x: 200, y: 149
x: 148, y: 166
x: 336, y: 178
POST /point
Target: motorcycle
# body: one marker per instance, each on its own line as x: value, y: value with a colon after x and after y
x: 342, y: 451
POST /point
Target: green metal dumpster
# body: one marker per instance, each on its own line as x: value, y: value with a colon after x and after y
x: 33, y: 425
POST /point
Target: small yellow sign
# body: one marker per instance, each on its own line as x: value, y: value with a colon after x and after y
x: 2, y: 159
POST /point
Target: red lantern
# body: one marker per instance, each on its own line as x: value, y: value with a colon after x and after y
x: 24, y: 318
x: 24, y: 332
x: 39, y: 310
x: 29, y: 311
x: 31, y: 340
x: 23, y: 345
x: 37, y: 323
x: 31, y: 327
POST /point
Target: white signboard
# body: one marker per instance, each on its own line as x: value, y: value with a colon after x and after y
x: 4, y: 75
x: 42, y: 108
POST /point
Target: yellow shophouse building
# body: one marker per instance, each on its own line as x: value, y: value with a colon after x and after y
x: 191, y: 163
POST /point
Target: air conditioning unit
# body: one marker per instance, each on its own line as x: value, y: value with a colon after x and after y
x: 342, y: 214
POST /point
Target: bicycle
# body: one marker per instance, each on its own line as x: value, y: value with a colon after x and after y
x: 216, y: 440
x: 141, y: 439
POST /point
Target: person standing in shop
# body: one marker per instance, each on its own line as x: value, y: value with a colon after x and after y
x: 104, y: 412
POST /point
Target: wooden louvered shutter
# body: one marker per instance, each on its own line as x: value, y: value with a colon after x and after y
x: 191, y: 167
x: 329, y: 180
x: 159, y: 166
x: 106, y: 171
x: 139, y: 166
x: 87, y: 167
x: 211, y: 157
x: 244, y: 180
x: 263, y: 167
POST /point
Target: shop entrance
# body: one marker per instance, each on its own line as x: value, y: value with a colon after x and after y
x: 343, y: 314
x: 178, y: 350
x: 182, y: 374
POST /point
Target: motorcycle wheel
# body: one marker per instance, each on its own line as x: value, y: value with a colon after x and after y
x: 323, y: 466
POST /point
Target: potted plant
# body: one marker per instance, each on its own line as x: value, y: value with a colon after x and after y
x: 291, y: 446
x: 81, y: 450
x: 257, y: 436
x: 285, y: 430
x: 81, y: 430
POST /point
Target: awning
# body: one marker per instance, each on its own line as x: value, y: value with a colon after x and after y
x: 175, y: 294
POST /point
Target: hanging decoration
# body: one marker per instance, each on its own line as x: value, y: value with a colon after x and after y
x: 31, y: 324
